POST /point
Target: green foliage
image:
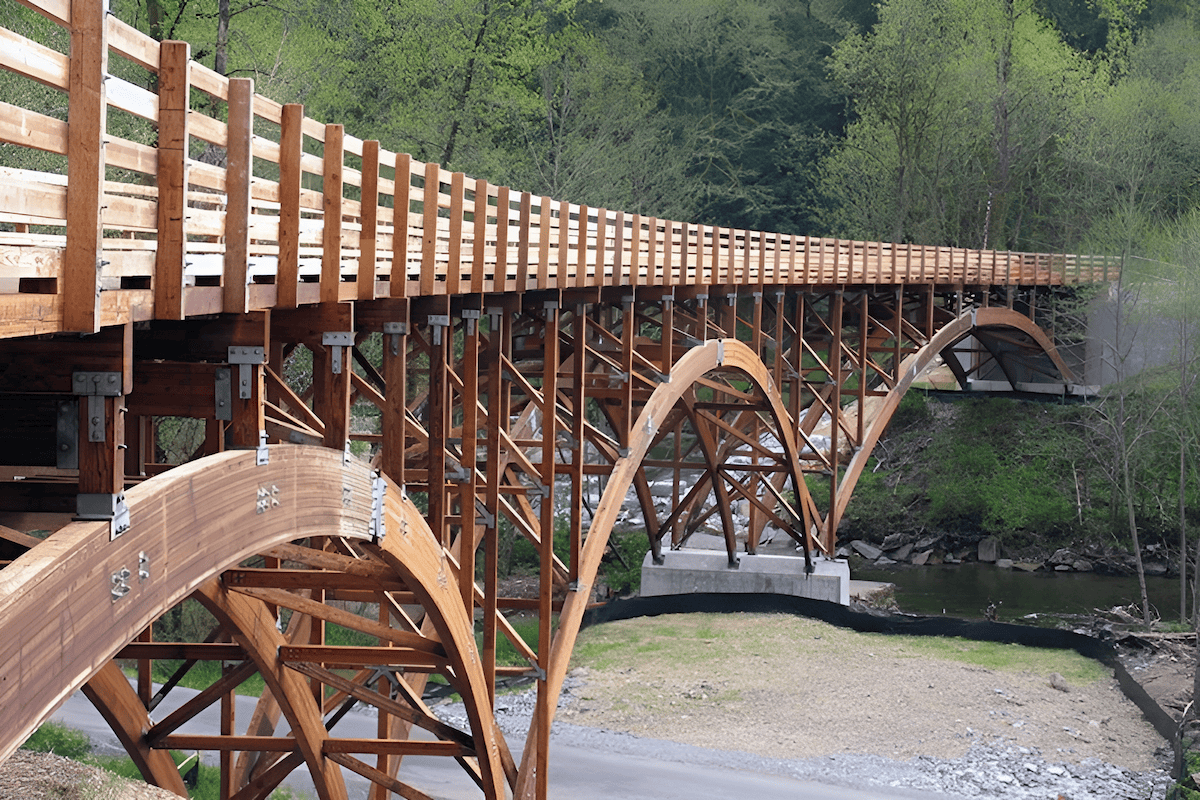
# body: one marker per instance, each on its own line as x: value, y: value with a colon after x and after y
x: 54, y: 737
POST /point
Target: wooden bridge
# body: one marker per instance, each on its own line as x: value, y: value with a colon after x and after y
x: 390, y: 368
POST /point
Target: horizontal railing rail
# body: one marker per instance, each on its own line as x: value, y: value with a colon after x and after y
x: 208, y: 197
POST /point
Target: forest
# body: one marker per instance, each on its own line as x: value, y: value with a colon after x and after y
x: 1039, y: 125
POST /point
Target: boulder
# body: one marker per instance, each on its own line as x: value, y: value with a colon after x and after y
x: 1027, y: 566
x: 920, y: 559
x: 866, y: 550
x: 927, y: 542
x: 883, y: 561
x: 1004, y: 563
x: 903, y: 553
x: 893, y: 541
x: 1081, y: 565
x: 989, y: 549
x: 1062, y: 556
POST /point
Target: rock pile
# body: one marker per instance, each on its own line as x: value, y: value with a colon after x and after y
x: 933, y: 549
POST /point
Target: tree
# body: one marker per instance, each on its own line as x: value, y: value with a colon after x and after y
x: 960, y: 108
x: 440, y: 80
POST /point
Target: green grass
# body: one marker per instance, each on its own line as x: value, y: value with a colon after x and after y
x: 54, y: 737
x: 1078, y: 670
x: 711, y: 638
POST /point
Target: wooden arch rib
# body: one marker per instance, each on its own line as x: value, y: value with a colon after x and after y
x: 915, y: 364
x: 726, y: 354
x: 60, y: 625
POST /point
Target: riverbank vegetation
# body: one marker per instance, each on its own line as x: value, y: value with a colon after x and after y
x: 1036, y: 476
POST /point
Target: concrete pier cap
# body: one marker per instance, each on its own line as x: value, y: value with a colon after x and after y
x: 688, y: 571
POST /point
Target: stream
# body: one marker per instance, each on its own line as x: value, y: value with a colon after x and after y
x: 966, y: 590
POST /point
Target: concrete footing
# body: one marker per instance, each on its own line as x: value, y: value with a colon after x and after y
x: 708, y: 571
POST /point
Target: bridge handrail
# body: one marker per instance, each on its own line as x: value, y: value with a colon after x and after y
x: 138, y: 231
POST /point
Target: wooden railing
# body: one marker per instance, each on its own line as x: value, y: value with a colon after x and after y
x: 294, y: 211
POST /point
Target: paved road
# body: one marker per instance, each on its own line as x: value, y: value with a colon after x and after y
x: 588, y: 772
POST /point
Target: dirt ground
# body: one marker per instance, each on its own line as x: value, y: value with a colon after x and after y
x: 786, y: 687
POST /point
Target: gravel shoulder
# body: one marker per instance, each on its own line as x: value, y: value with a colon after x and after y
x: 786, y: 687
x: 961, y: 717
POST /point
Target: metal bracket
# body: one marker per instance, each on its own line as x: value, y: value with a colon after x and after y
x: 223, y: 393
x: 67, y: 435
x: 438, y: 322
x: 143, y: 567
x: 120, y: 583
x: 262, y: 456
x: 460, y: 475
x: 577, y: 586
x: 536, y: 671
x: 101, y: 506
x: 484, y: 518
x: 622, y: 452
x: 96, y: 386
x: 376, y: 527
x: 100, y: 384
x: 651, y: 426
x: 720, y: 352
x: 245, y: 358
x: 337, y: 340
x: 266, y: 498
x: 494, y: 314
x: 731, y: 299
x: 471, y: 317
x: 347, y: 456
x: 543, y: 490
x: 395, y: 330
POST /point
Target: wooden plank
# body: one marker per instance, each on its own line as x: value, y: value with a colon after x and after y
x: 239, y: 176
x: 375, y: 776
x: 33, y: 60
x: 362, y: 656
x: 331, y: 229
x: 287, y: 273
x: 88, y: 110
x: 174, y: 91
x: 30, y: 129
x: 416, y: 747
x: 133, y: 44
x: 368, y: 236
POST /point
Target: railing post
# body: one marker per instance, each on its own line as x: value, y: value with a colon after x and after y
x: 291, y: 139
x: 238, y: 171
x: 331, y: 227
x: 370, y: 220
x: 88, y: 115
x: 398, y: 283
x: 174, y: 68
x: 429, y: 217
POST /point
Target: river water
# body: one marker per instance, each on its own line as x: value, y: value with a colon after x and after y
x: 966, y: 590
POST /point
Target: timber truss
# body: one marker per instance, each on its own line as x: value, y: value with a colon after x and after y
x: 310, y: 398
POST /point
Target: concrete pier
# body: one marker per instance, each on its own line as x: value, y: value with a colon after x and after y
x: 690, y: 571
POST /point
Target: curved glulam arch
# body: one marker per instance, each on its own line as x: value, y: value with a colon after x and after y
x: 940, y: 345
x: 186, y: 527
x: 725, y: 354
